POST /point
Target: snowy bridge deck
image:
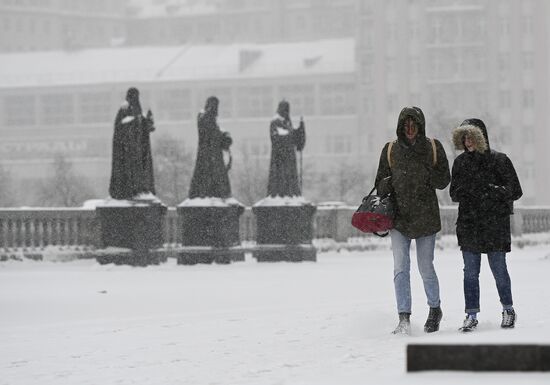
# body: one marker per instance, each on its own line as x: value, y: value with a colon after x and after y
x: 39, y: 227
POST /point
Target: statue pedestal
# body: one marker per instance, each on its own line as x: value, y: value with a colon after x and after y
x: 130, y: 231
x: 210, y: 231
x: 284, y: 231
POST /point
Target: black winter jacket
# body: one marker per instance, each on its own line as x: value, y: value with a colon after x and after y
x: 485, y: 184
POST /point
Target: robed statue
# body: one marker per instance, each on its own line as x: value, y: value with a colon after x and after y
x: 210, y: 177
x: 285, y: 141
x: 132, y: 163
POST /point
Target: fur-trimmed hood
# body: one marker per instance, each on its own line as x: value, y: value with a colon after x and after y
x: 475, y: 133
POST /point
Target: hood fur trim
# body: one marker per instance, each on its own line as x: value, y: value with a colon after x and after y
x: 474, y: 132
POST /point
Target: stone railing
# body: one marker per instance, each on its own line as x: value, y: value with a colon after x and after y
x: 41, y: 227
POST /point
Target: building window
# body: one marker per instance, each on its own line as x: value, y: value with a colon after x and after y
x: 6, y: 21
x: 527, y: 7
x: 338, y: 144
x: 392, y: 102
x: 95, y: 107
x: 256, y: 147
x: 342, y: 144
x: 435, y: 64
x: 414, y: 65
x: 300, y: 97
x: 300, y: 23
x: 255, y: 101
x: 504, y: 26
x: 367, y: 75
x: 504, y: 61
x: 528, y: 61
x: 367, y: 67
x: 473, y: 28
x: 527, y: 25
x: 413, y: 29
x: 46, y: 27
x: 175, y: 105
x: 337, y: 99
x: 504, y: 136
x: 368, y: 102
x: 505, y: 99
x: 391, y: 63
x: 57, y: 109
x: 528, y: 98
x: 20, y: 110
x: 529, y: 134
x: 449, y: 32
x: 435, y: 27
x: 392, y: 31
x: 415, y: 99
x: 19, y: 25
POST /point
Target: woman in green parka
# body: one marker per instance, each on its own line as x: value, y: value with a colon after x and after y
x: 415, y: 167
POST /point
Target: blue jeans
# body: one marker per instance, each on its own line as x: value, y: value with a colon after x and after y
x: 402, y: 269
x: 472, y: 267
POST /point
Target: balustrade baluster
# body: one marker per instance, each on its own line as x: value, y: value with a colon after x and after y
x: 35, y: 238
x: 169, y: 230
x: 27, y: 232
x: 174, y: 231
x: 53, y: 232
x: 71, y: 241
x: 79, y: 239
x: 62, y: 231
x: 3, y: 240
x: 18, y: 233
x: 10, y: 235
x: 47, y: 229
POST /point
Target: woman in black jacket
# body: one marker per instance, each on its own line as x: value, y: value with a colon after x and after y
x: 485, y: 184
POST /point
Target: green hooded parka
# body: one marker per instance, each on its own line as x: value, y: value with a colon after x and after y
x: 414, y: 178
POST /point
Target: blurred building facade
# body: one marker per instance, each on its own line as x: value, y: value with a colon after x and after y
x: 459, y: 59
x: 454, y: 58
x: 226, y: 21
x: 69, y: 108
x: 32, y: 25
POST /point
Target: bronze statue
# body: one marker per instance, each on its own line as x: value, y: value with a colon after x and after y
x: 210, y: 177
x: 132, y: 163
x: 285, y: 141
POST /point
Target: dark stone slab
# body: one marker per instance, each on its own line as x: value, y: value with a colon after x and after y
x: 210, y: 226
x: 516, y: 357
x: 285, y: 253
x: 286, y: 225
x: 139, y: 227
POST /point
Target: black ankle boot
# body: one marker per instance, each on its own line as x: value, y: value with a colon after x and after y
x: 434, y: 318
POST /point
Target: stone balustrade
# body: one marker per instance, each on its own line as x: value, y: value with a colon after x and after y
x: 61, y: 226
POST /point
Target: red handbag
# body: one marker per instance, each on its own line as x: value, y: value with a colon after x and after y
x: 375, y: 214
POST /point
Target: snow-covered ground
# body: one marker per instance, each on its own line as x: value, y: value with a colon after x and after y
x: 328, y: 322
